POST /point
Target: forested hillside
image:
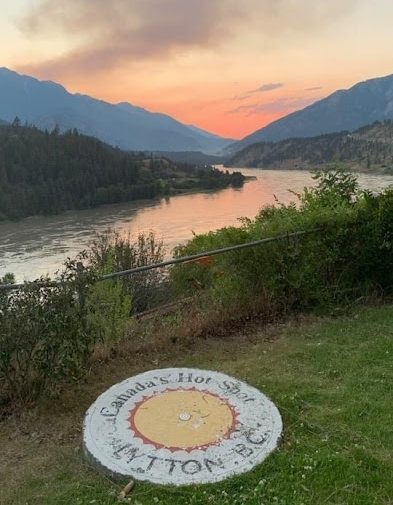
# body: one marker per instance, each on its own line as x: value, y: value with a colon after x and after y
x: 44, y: 172
x: 192, y: 157
x: 369, y: 148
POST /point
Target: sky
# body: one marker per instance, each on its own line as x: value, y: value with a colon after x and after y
x: 227, y: 66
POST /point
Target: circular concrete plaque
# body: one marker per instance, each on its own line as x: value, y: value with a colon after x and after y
x: 180, y: 426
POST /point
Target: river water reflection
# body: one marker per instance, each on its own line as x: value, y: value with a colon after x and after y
x: 39, y: 245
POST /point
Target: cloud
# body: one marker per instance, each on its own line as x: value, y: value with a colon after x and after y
x: 239, y: 98
x: 109, y: 34
x: 280, y: 106
x: 262, y: 89
x: 313, y: 89
x: 266, y: 87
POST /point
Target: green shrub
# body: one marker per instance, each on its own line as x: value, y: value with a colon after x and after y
x: 8, y: 278
x: 48, y: 328
x: 350, y: 255
x: 108, y: 304
x: 124, y: 253
x: 45, y: 335
x: 191, y: 277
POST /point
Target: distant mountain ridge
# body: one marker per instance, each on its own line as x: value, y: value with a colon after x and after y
x: 45, y: 104
x: 369, y: 148
x: 362, y: 104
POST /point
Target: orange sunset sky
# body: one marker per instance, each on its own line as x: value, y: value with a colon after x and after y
x: 228, y: 66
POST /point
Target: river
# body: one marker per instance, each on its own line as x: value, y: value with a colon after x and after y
x: 39, y: 245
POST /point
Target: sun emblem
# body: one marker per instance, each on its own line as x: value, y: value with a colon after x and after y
x: 183, y: 419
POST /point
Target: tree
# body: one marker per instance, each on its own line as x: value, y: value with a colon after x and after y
x: 16, y: 122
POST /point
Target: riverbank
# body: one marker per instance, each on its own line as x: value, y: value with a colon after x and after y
x: 329, y: 377
x: 38, y: 246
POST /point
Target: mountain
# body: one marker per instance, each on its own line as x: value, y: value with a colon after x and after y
x: 369, y: 148
x: 364, y: 103
x: 3, y: 123
x: 46, y: 104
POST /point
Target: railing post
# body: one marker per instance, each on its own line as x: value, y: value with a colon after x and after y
x: 81, y: 296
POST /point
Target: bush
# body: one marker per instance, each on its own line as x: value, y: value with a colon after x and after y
x: 109, y: 248
x: 48, y: 328
x: 45, y: 335
x: 108, y: 304
x: 349, y: 257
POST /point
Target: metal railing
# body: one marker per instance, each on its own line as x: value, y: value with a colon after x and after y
x: 150, y: 286
x: 174, y: 261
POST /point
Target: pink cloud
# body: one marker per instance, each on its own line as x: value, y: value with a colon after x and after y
x: 280, y: 106
x: 266, y: 87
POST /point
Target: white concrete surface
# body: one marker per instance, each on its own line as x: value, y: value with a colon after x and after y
x: 224, y: 427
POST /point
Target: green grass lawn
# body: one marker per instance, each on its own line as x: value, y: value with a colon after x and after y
x: 332, y: 380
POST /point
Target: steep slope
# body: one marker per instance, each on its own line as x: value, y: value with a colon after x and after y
x: 364, y: 103
x: 368, y: 148
x: 45, y: 104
